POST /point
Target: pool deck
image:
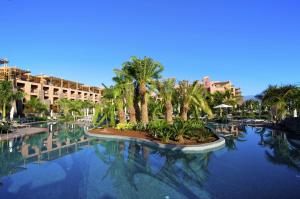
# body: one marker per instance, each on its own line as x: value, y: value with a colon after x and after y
x: 205, y: 147
x: 21, y: 132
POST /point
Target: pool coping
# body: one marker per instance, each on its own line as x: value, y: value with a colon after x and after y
x: 205, y: 147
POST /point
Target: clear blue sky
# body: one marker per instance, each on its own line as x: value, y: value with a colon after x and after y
x: 252, y: 43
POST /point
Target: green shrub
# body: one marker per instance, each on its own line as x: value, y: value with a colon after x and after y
x: 4, y: 127
x: 124, y: 126
x: 139, y: 127
x: 160, y: 129
x: 196, y: 124
x: 176, y: 131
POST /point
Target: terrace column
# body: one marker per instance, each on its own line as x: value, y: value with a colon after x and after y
x: 27, y: 90
x: 51, y: 93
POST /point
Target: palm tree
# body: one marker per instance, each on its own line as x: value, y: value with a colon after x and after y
x: 226, y: 97
x: 35, y: 106
x: 7, y: 96
x: 280, y: 100
x: 113, y: 101
x: 143, y: 71
x: 85, y: 105
x: 155, y: 108
x: 64, y: 105
x: 166, y: 91
x: 192, y: 94
x: 120, y: 104
x: 126, y: 85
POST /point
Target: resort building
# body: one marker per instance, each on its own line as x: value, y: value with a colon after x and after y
x: 47, y: 88
x: 219, y: 86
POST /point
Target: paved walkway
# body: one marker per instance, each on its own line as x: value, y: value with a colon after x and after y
x: 22, y: 132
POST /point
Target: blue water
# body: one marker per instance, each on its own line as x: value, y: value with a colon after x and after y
x: 256, y: 163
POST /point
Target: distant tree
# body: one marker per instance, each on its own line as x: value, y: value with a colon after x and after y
x: 7, y: 96
x: 64, y: 105
x: 280, y: 100
x: 35, y: 106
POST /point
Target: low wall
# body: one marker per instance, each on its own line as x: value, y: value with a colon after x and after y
x: 218, y: 144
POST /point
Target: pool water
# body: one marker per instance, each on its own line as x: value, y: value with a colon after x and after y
x: 255, y: 163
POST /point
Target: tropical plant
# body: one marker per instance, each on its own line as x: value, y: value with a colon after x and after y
x: 124, y: 126
x: 106, y: 111
x: 126, y: 85
x: 156, y: 109
x: 143, y: 72
x: 74, y: 108
x: 166, y: 90
x: 280, y: 100
x: 7, y: 96
x: 64, y: 105
x: 179, y: 129
x: 35, y: 106
x: 192, y: 95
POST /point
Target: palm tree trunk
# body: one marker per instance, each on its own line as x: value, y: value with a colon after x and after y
x: 132, y: 115
x: 180, y: 139
x: 4, y: 112
x: 121, y: 113
x: 169, y: 112
x: 136, y: 103
x: 121, y: 116
x: 184, y: 112
x: 144, y: 103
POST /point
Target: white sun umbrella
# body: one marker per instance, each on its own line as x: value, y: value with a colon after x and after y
x: 221, y: 106
x: 51, y: 113
x: 12, y: 111
x: 295, y: 113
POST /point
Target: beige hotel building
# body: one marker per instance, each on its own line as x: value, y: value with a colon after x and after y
x: 47, y: 88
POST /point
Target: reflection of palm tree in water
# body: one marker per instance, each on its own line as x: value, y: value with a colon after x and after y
x: 238, y: 136
x: 9, y: 161
x: 279, y: 150
x: 184, y: 173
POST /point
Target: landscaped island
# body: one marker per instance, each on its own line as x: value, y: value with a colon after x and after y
x: 186, y: 136
x: 180, y: 132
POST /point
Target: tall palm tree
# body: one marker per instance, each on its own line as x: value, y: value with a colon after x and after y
x: 7, y: 96
x: 166, y: 91
x: 126, y: 84
x: 114, y: 101
x: 120, y: 104
x: 192, y: 94
x: 143, y: 71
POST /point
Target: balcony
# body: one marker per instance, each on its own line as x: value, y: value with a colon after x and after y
x: 34, y: 91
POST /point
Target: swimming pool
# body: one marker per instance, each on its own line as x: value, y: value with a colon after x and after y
x: 256, y: 163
